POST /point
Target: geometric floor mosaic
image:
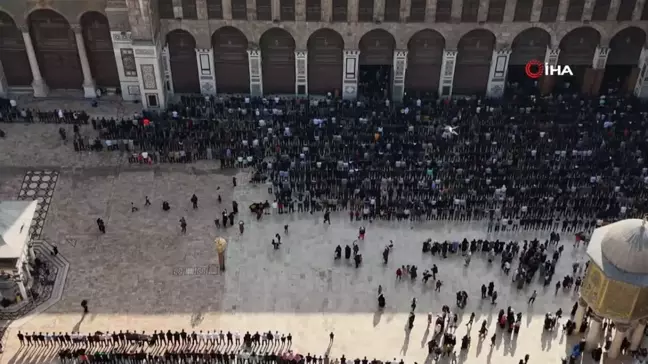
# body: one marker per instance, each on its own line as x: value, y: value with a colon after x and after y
x: 38, y: 185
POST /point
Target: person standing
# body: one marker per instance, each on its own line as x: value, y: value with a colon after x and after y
x: 194, y: 201
x: 84, y: 304
x: 183, y: 225
x: 147, y: 202
x: 327, y: 217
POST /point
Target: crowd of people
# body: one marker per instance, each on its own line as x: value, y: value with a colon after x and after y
x: 526, y: 162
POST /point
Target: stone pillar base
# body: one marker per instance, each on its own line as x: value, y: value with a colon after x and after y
x: 89, y: 90
x: 40, y: 88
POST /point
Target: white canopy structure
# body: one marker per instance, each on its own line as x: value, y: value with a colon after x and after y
x: 15, y: 219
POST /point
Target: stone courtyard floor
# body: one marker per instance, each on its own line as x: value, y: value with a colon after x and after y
x: 143, y: 274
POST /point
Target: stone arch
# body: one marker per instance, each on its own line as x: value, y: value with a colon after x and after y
x: 325, y: 61
x: 377, y: 48
x: 424, y: 59
x: 475, y: 52
x: 182, y: 58
x: 99, y: 47
x: 56, y: 49
x: 278, y: 61
x: 626, y: 46
x: 530, y: 44
x: 578, y: 46
x: 231, y: 60
x: 13, y: 54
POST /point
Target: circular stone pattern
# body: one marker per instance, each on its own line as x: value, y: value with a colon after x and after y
x: 44, y: 185
x: 46, y: 178
x: 31, y: 193
x: 33, y: 185
x: 35, y: 178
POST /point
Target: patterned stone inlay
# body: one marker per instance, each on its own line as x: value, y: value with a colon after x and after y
x: 39, y: 186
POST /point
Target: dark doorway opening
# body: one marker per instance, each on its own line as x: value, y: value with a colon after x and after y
x: 517, y: 81
x: 375, y: 81
x: 569, y: 85
x: 616, y: 79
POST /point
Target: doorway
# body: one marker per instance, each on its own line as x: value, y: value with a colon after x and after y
x: 517, y: 82
x: 375, y: 81
x: 616, y: 79
x: 569, y: 85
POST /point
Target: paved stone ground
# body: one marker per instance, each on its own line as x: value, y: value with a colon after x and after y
x: 128, y: 274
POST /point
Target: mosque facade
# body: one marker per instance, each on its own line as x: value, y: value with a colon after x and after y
x: 150, y: 50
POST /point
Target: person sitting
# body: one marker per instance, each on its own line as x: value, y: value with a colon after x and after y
x: 165, y: 206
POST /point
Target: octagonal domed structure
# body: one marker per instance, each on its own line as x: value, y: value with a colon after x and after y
x: 616, y: 283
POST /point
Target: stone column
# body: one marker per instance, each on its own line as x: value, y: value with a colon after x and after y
x: 379, y: 10
x: 256, y: 77
x: 457, y: 7
x: 38, y: 84
x: 588, y: 9
x: 125, y: 59
x: 430, y: 10
x: 327, y: 10
x: 406, y: 9
x: 547, y: 82
x: 580, y: 315
x: 177, y: 8
x: 300, y: 10
x: 251, y: 9
x: 206, y: 72
x: 301, y: 73
x: 497, y: 74
x: 637, y: 336
x: 641, y: 86
x: 482, y: 14
x: 153, y: 74
x: 227, y: 9
x: 536, y: 10
x: 447, y: 72
x: 4, y: 86
x: 509, y: 10
x: 276, y: 9
x: 399, y: 71
x: 350, y: 74
x: 615, y: 347
x: 89, y: 89
x: 562, y: 10
x: 598, y: 66
x: 638, y: 10
x: 23, y: 291
x: 614, y: 10
x: 352, y: 11
x: 593, y: 338
x: 166, y: 69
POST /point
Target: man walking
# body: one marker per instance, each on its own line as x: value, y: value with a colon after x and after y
x: 533, y: 297
x: 327, y: 217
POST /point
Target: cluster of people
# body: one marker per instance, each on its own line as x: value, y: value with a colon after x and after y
x: 520, y: 163
x: 10, y: 112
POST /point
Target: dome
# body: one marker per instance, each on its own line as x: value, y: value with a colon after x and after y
x: 625, y: 245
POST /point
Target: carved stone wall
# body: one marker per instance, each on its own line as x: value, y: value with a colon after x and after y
x: 350, y: 74
x: 400, y: 68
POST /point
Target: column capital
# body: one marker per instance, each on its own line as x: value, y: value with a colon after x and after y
x: 504, y: 51
x: 351, y: 52
x: 450, y: 52
x: 300, y: 53
x: 254, y: 52
x: 622, y: 326
x: 400, y: 53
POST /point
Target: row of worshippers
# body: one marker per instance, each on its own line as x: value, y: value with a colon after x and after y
x: 523, y: 159
x: 11, y: 112
x: 256, y: 340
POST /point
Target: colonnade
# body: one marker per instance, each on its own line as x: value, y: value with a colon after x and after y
x: 145, y: 73
x: 634, y: 332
